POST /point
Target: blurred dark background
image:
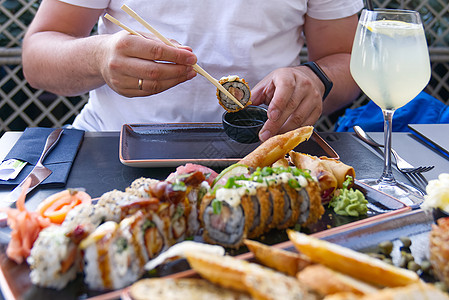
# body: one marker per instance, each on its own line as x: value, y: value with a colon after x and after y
x: 22, y: 106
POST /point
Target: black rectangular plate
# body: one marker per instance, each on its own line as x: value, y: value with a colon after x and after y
x: 174, y: 144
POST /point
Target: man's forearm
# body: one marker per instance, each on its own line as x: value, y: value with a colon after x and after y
x: 62, y: 64
x: 345, y: 90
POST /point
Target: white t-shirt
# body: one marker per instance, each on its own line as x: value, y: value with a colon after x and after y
x: 241, y: 37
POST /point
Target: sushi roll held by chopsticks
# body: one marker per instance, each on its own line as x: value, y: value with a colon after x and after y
x: 238, y: 88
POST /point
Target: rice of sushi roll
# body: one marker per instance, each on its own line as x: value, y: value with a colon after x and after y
x: 238, y: 88
x: 131, y: 228
x: 55, y: 259
x: 140, y: 187
x: 91, y: 215
x: 223, y: 223
x: 110, y: 258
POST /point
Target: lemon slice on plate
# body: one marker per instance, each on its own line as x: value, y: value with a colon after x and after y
x: 232, y: 170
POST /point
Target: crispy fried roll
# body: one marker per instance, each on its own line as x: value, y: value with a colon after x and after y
x: 316, y: 209
x: 327, y: 180
x: 276, y: 147
x: 251, y: 204
x: 339, y: 169
x: 265, y: 212
x: 277, y: 196
x: 294, y: 207
x: 238, y: 88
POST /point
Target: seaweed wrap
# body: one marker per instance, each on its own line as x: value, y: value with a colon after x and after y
x: 251, y: 204
x: 238, y: 88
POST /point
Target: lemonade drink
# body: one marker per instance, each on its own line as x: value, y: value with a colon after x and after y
x: 390, y: 61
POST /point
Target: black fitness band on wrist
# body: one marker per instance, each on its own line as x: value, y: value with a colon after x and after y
x: 321, y: 75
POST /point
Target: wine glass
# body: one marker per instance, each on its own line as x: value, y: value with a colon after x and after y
x: 390, y: 63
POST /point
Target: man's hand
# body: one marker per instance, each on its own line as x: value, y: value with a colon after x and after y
x: 128, y: 58
x: 294, y: 98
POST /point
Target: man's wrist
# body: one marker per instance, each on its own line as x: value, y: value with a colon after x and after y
x: 321, y: 75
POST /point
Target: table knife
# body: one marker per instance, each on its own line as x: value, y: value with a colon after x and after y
x: 37, y: 175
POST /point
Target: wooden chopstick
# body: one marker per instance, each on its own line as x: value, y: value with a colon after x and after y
x: 196, y: 67
x: 117, y: 22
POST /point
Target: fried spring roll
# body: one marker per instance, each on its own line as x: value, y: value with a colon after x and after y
x: 339, y: 169
x: 276, y: 147
x: 327, y: 180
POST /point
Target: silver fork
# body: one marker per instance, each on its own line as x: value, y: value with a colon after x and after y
x: 401, y: 163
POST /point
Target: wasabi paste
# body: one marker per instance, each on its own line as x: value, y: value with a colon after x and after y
x: 349, y: 202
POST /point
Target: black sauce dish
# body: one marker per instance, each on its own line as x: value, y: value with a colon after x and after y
x: 244, y: 125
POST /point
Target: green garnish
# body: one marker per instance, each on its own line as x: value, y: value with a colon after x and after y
x: 202, y: 192
x: 216, y: 206
x: 178, y: 213
x: 229, y: 171
x: 294, y: 183
x: 231, y: 183
x: 122, y: 244
x: 147, y: 224
x: 262, y: 175
x: 179, y: 186
x: 347, y: 182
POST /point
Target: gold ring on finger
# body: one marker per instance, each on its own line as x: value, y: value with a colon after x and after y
x: 140, y: 84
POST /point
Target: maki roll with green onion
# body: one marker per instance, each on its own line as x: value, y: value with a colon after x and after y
x: 251, y: 204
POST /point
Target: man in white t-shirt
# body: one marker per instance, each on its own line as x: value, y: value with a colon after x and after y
x: 137, y: 80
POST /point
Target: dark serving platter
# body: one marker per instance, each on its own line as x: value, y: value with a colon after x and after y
x: 159, y: 146
x: 171, y: 145
x: 15, y: 282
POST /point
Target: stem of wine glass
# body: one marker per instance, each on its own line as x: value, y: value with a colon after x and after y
x: 387, y: 175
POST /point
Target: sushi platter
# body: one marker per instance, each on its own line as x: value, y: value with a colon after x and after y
x: 116, y: 214
x: 331, y: 226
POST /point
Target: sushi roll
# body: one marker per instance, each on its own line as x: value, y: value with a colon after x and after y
x: 292, y: 201
x: 238, y: 88
x: 90, y: 216
x: 59, y: 268
x: 140, y: 187
x: 264, y: 215
x: 224, y: 223
x: 314, y: 208
x: 132, y: 229
x: 249, y: 205
x: 110, y: 258
x: 152, y: 238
